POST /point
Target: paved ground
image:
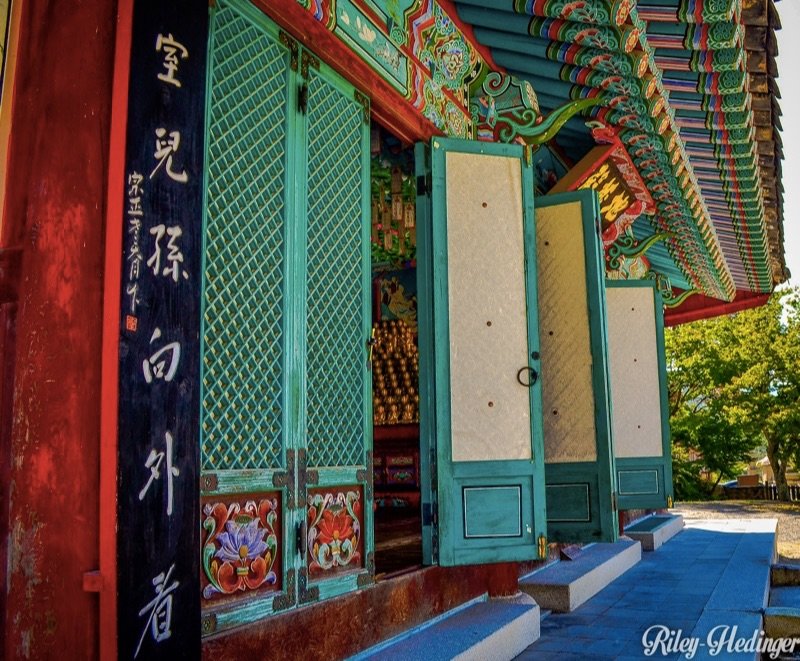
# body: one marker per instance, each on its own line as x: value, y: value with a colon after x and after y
x: 709, y: 578
x: 788, y: 515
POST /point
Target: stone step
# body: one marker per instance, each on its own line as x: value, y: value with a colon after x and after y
x: 497, y: 629
x: 782, y: 616
x: 782, y: 622
x: 785, y: 574
x: 565, y: 585
x: 654, y: 530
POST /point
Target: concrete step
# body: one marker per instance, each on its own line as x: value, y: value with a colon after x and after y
x: 654, y: 530
x: 496, y: 629
x: 565, y: 585
x: 785, y: 574
x: 782, y: 616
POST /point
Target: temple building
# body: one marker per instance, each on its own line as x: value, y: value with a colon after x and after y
x: 321, y: 319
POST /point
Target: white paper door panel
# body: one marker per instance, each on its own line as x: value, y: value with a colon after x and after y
x: 488, y: 317
x: 568, y: 404
x: 635, y: 387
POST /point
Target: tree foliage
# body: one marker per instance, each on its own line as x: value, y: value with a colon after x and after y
x: 734, y: 384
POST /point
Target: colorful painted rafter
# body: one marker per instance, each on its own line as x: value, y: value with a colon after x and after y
x: 715, y: 121
x: 610, y: 60
x: 704, y: 175
x: 668, y: 74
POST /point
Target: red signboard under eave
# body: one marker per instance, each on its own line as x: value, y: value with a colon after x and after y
x: 609, y: 170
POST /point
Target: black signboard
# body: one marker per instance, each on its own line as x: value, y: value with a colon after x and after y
x: 159, y: 352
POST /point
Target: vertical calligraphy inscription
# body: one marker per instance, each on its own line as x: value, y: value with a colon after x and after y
x: 159, y: 383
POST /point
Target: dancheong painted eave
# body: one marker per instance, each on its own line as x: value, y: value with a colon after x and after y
x: 690, y: 85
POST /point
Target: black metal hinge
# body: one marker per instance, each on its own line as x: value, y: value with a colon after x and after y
x: 294, y: 50
x: 424, y: 185
x: 300, y: 532
x: 430, y: 516
x: 302, y: 98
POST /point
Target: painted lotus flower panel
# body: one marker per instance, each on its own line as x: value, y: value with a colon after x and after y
x: 241, y: 546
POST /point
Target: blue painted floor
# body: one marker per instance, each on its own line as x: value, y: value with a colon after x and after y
x: 703, y: 589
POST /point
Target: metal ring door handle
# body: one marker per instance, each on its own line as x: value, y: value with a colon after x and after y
x: 533, y: 376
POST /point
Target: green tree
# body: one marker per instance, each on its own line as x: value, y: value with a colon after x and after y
x: 734, y: 384
x: 764, y: 394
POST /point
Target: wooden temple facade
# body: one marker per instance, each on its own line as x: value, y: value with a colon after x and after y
x: 319, y: 318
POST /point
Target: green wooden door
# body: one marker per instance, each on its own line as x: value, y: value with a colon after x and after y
x: 579, y: 463
x: 338, y: 402
x: 639, y: 394
x: 286, y: 435
x: 480, y: 393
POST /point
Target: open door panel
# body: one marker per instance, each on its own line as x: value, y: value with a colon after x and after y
x: 480, y: 393
x: 576, y: 406
x: 639, y: 392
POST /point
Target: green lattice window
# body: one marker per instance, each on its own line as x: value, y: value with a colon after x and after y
x: 285, y: 413
x: 335, y: 274
x: 244, y: 276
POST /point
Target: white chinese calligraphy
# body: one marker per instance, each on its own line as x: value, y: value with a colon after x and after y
x: 154, y: 461
x: 153, y: 367
x: 159, y: 619
x: 134, y: 256
x: 174, y: 256
x: 173, y: 51
x: 166, y: 146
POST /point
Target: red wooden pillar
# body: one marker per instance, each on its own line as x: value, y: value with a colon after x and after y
x: 503, y: 579
x: 55, y: 213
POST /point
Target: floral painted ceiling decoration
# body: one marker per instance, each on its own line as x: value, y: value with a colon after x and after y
x: 675, y: 80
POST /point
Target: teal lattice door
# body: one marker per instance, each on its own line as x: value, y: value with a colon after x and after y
x: 479, y: 353
x: 639, y: 394
x: 579, y: 461
x: 337, y: 488
x: 286, y: 440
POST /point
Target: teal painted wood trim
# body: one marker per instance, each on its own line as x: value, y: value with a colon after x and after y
x: 603, y: 468
x: 534, y: 348
x: 640, y: 472
x: 426, y: 344
x: 366, y: 334
x: 666, y: 434
x: 296, y: 387
x: 662, y: 464
x: 453, y: 477
x: 240, y: 481
x: 337, y: 476
x: 293, y: 325
x: 225, y: 619
x: 563, y: 521
x: 447, y: 509
x: 334, y: 586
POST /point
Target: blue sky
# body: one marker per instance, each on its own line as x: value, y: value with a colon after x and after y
x: 789, y: 57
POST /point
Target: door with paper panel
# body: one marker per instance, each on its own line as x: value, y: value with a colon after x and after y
x: 639, y: 394
x: 480, y: 392
x: 285, y: 438
x: 579, y: 463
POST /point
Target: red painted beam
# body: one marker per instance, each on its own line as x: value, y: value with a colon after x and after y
x: 55, y: 212
x: 702, y: 307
